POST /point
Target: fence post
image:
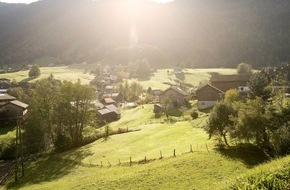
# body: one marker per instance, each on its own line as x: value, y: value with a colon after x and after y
x: 161, y: 155
x: 130, y: 161
x: 101, y: 164
x: 206, y: 148
x: 174, y: 153
x: 191, y: 148
x: 145, y: 159
x: 119, y: 162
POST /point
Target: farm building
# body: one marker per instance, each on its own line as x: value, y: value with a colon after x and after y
x: 176, y: 95
x: 209, y: 94
x: 109, y: 113
x: 13, y: 110
x: 226, y: 82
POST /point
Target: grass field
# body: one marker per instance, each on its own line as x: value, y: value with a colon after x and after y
x: 61, y: 73
x: 163, y: 77
x: 202, y: 169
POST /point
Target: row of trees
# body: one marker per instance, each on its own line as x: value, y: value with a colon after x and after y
x: 58, y: 114
x: 261, y: 118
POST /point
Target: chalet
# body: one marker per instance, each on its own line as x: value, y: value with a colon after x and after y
x: 109, y: 113
x: 207, y: 96
x: 226, y: 82
x: 176, y: 95
x: 13, y: 110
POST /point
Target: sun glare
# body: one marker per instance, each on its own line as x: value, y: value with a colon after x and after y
x: 162, y: 1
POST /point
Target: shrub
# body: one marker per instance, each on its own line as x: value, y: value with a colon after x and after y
x: 194, y: 114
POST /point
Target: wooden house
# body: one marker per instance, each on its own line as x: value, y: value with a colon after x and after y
x: 109, y: 113
x: 13, y: 111
x: 176, y: 95
x: 226, y: 82
x: 207, y: 96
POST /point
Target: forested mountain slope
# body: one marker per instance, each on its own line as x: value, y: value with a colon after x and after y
x: 207, y: 33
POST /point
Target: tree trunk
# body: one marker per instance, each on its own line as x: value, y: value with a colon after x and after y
x: 225, y: 139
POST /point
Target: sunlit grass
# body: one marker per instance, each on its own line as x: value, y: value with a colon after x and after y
x: 61, y: 73
x: 164, y: 77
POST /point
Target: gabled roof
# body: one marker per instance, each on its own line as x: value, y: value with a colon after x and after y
x: 19, y: 104
x: 111, y: 95
x: 226, y: 78
x: 108, y: 109
x: 113, y: 108
x: 6, y: 97
x: 219, y: 90
x: 177, y: 89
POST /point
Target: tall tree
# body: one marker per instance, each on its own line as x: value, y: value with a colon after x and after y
x: 220, y: 122
x: 259, y: 85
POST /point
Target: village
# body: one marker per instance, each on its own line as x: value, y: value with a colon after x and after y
x: 110, y: 98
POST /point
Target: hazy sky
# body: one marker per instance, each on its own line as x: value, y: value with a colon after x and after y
x: 30, y: 1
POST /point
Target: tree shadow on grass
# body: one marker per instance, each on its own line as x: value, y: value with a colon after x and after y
x: 27, y: 79
x: 51, y: 168
x: 247, y: 153
x: 6, y: 128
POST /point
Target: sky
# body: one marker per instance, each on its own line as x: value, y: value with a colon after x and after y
x: 30, y: 1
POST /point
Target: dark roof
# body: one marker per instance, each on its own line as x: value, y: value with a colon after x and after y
x: 6, y: 97
x: 211, y: 87
x: 104, y: 111
x: 113, y: 108
x: 177, y: 89
x: 19, y: 104
x: 226, y: 78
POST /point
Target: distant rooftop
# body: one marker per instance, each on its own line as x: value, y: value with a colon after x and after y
x: 6, y: 97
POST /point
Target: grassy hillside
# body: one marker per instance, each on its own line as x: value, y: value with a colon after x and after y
x: 81, y: 168
x: 61, y: 73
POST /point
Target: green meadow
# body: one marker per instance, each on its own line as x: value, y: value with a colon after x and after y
x: 62, y: 73
x: 164, y: 77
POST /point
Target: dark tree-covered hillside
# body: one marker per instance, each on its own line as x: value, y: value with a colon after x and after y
x: 199, y: 33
